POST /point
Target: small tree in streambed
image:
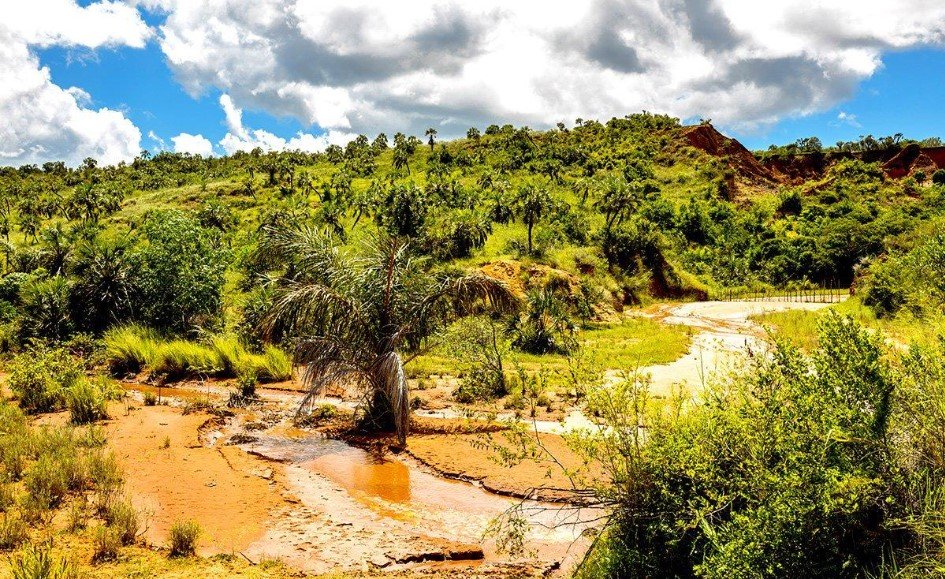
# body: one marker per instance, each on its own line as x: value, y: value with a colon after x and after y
x: 352, y: 316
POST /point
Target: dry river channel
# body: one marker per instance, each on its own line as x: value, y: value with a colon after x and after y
x: 344, y: 507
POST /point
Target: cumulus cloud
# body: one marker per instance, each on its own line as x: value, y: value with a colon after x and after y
x: 193, y: 144
x: 43, y: 121
x: 239, y: 138
x: 846, y: 118
x: 375, y: 65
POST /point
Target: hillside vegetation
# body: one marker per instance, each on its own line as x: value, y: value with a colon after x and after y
x: 511, y: 257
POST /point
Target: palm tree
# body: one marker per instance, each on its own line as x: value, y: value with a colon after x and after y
x: 351, y: 317
x: 431, y: 132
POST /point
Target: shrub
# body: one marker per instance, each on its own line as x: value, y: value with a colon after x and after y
x: 184, y: 537
x: 938, y: 177
x: 150, y: 399
x: 46, y: 483
x: 41, y: 377
x: 46, y: 312
x: 107, y: 544
x: 13, y: 532
x: 87, y: 402
x: 38, y: 562
x: 546, y: 326
x: 181, y: 272
x: 783, y: 471
x: 121, y: 516
x: 7, y: 495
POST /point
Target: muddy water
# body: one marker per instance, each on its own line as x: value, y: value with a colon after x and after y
x: 389, y: 504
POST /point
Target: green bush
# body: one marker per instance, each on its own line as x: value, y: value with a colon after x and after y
x: 36, y: 561
x: 107, y: 544
x: 41, y: 377
x: 87, y: 402
x: 181, y: 272
x: 783, y: 471
x: 184, y: 536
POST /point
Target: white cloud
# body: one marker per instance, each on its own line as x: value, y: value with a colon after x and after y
x: 846, y: 118
x: 376, y: 65
x: 193, y: 144
x: 43, y: 121
x: 239, y: 138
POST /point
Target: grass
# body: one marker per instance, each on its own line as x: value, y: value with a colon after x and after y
x: 131, y: 349
x: 800, y: 326
x: 184, y: 535
x: 625, y: 345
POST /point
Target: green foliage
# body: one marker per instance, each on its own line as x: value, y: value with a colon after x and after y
x: 181, y: 273
x: 481, y: 344
x: 87, y: 401
x: 37, y: 561
x: 913, y: 280
x: 545, y: 327
x: 184, y: 536
x: 801, y: 466
x: 41, y: 379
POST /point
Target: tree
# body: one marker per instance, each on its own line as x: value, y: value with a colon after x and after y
x: 181, y: 275
x: 533, y: 202
x: 431, y: 133
x: 104, y: 290
x: 473, y: 134
x: 352, y: 317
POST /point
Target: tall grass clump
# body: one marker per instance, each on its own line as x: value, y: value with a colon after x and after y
x: 129, y: 348
x: 184, y: 536
x: 179, y: 358
x: 277, y: 365
x: 37, y: 561
x: 87, y: 401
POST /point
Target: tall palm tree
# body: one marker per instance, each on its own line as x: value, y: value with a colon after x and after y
x: 352, y: 317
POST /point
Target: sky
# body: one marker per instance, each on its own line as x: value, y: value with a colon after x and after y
x: 108, y: 78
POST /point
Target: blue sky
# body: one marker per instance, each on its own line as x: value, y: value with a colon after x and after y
x: 301, y: 74
x: 905, y: 95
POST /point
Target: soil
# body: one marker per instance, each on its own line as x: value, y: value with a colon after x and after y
x: 466, y: 457
x: 173, y: 474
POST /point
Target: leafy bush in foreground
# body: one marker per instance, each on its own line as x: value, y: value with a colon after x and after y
x: 41, y: 378
x: 800, y: 467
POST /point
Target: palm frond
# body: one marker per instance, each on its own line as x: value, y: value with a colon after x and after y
x: 389, y: 377
x: 312, y: 308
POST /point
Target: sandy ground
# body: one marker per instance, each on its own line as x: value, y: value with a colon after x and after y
x: 173, y: 475
x: 467, y: 457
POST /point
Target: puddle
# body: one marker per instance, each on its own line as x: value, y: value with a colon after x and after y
x: 360, y: 473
